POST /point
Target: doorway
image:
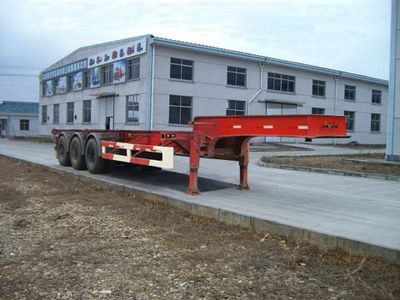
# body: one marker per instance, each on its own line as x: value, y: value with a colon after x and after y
x: 106, y: 113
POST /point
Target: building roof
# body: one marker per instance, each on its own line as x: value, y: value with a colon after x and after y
x: 19, y: 107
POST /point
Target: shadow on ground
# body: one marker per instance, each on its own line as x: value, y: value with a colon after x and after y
x: 165, y: 179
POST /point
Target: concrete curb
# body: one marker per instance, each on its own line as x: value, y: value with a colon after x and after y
x: 296, y: 234
x: 328, y: 171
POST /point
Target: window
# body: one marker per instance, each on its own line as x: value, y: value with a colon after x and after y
x: 318, y: 111
x: 375, y: 122
x: 86, y: 79
x: 318, y: 88
x: 70, y: 112
x: 133, y: 68
x: 350, y: 92
x: 281, y: 82
x: 69, y: 83
x: 24, y: 125
x: 376, y: 96
x: 181, y: 69
x: 107, y: 74
x: 44, y: 114
x: 350, y: 118
x: 236, y: 76
x: 132, y: 109
x: 56, y: 113
x: 236, y: 108
x: 43, y: 88
x: 87, y: 111
x: 180, y: 109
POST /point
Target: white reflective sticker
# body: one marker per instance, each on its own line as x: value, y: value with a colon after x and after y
x: 302, y: 127
x: 237, y: 126
x: 268, y: 126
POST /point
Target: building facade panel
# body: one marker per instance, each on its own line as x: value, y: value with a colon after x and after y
x: 189, y: 82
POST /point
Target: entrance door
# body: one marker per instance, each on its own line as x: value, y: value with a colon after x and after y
x: 106, y: 113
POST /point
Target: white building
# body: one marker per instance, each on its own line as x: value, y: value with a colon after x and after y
x: 154, y: 83
x: 393, y: 125
x: 19, y: 118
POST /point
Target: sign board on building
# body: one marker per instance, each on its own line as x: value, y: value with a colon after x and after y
x: 77, y: 81
x: 130, y: 49
x: 61, y: 86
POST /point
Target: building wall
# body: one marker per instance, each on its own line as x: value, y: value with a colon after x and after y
x: 13, y: 126
x: 393, y: 136
x: 122, y: 89
x: 211, y: 93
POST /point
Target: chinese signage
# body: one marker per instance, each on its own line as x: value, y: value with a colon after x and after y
x: 76, y: 66
x: 130, y: 49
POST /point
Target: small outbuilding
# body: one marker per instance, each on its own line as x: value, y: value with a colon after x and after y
x: 19, y: 118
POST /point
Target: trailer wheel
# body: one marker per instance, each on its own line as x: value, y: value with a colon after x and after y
x: 94, y: 163
x: 75, y: 154
x: 62, y: 153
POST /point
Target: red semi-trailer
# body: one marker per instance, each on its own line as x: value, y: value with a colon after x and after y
x: 221, y: 137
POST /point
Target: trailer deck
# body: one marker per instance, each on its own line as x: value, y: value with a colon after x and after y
x: 220, y: 137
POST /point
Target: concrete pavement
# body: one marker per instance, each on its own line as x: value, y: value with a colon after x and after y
x: 354, y: 211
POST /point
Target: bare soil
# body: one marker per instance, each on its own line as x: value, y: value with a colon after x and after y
x: 339, y: 162
x: 63, y: 238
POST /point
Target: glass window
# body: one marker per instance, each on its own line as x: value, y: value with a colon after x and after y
x: 44, y: 114
x: 236, y: 76
x: 181, y: 69
x: 24, y: 125
x: 375, y: 122
x: 132, y: 109
x: 87, y: 111
x: 281, y: 82
x: 236, y: 108
x: 70, y: 83
x: 376, y: 96
x: 318, y: 111
x: 107, y: 74
x: 180, y: 109
x: 56, y: 113
x: 86, y: 79
x: 318, y: 88
x: 350, y: 118
x: 70, y: 112
x: 133, y: 68
x: 350, y: 92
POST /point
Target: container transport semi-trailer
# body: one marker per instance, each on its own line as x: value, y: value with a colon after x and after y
x: 220, y: 137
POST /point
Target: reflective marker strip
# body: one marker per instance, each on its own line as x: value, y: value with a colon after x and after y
x: 268, y: 126
x: 167, y: 153
x: 302, y: 127
x: 237, y: 126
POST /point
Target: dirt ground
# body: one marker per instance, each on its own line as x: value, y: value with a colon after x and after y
x: 339, y: 162
x: 64, y: 238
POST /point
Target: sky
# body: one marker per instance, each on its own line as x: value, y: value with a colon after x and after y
x: 351, y: 36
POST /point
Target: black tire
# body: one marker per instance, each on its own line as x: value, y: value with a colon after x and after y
x: 62, y: 152
x: 75, y: 154
x: 94, y: 163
